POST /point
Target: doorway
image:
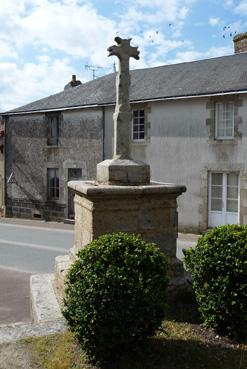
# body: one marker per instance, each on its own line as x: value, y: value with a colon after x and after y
x: 223, y: 199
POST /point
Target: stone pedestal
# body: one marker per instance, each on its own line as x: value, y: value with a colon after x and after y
x: 123, y: 172
x: 148, y: 210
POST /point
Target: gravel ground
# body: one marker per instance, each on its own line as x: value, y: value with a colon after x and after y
x: 16, y: 356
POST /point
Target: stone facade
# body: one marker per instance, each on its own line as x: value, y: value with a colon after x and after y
x: 28, y: 157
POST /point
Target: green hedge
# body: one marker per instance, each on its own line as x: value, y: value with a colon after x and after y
x: 218, y: 265
x: 115, y: 294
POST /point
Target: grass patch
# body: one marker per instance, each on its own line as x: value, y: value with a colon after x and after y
x: 176, y: 346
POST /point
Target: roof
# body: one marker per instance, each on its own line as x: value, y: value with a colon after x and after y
x: 226, y: 74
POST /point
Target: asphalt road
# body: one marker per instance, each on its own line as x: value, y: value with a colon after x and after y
x: 30, y: 247
x: 27, y: 248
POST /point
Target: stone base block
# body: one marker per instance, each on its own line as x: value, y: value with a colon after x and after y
x: 123, y: 172
x: 177, y: 274
x: 62, y: 265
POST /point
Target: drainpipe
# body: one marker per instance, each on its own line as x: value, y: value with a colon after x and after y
x: 103, y: 133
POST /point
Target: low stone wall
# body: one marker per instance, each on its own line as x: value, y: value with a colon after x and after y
x: 19, y: 208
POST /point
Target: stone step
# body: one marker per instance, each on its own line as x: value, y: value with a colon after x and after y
x: 44, y: 304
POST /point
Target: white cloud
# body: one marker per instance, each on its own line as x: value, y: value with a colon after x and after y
x: 241, y: 8
x: 229, y: 3
x: 65, y: 26
x: 214, y: 21
x: 187, y: 56
x: 22, y: 84
x: 72, y: 30
x: 6, y: 50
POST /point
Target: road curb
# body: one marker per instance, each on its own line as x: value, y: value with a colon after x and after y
x: 44, y: 305
x: 45, y: 311
x: 17, y: 331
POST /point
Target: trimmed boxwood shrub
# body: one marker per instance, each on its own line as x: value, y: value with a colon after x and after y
x: 218, y: 265
x: 115, y: 294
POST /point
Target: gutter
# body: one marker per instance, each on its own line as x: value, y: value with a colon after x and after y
x: 77, y: 107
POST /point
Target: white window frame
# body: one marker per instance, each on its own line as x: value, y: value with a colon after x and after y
x: 223, y: 123
x: 137, y: 129
x: 223, y: 215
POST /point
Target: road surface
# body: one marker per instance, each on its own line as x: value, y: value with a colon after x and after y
x: 30, y: 247
x: 27, y: 248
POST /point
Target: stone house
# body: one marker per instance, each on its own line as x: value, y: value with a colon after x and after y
x: 189, y: 123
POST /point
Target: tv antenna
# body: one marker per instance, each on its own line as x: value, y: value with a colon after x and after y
x: 95, y: 68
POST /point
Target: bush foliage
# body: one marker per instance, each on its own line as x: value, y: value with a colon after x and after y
x: 218, y: 265
x: 115, y: 293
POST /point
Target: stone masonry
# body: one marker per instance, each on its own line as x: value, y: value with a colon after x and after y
x: 28, y: 157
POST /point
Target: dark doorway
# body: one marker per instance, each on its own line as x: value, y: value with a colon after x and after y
x: 73, y: 175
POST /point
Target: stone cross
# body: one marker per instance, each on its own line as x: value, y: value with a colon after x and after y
x: 123, y: 114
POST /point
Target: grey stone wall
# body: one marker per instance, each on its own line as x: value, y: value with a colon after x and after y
x: 28, y: 156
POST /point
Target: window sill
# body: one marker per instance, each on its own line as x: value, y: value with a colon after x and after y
x: 139, y: 142
x: 52, y: 146
x: 223, y: 141
x: 57, y: 202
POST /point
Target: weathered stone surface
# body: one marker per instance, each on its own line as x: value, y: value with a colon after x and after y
x: 150, y: 211
x: 44, y: 305
x: 122, y: 170
x: 126, y: 172
x: 27, y: 153
x: 123, y: 115
x: 62, y: 265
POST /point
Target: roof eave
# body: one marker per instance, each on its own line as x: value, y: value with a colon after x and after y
x: 137, y: 101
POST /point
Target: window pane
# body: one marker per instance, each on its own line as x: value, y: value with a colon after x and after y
x: 53, y: 127
x: 224, y: 120
x: 232, y: 179
x: 52, y: 183
x: 216, y: 204
x: 138, y: 126
x: 217, y: 191
x: 217, y: 179
x: 232, y: 206
x: 232, y: 192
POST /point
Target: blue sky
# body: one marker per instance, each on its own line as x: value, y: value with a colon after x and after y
x: 44, y: 42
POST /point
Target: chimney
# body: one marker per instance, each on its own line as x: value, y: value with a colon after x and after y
x: 73, y: 83
x: 240, y: 43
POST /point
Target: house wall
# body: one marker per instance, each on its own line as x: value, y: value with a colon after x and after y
x: 181, y: 149
x: 2, y: 207
x: 28, y: 157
